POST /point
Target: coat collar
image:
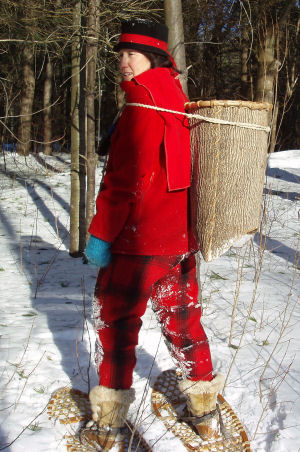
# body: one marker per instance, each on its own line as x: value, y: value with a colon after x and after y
x: 166, y: 92
x: 148, y: 77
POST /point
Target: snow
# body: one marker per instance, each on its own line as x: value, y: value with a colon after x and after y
x: 47, y: 340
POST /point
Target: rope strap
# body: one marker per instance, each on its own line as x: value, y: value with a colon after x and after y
x: 203, y: 118
x: 196, y: 420
x: 104, y: 429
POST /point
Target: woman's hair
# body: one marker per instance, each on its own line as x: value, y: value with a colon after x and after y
x: 160, y: 61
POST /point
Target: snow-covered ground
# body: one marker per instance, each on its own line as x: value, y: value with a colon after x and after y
x: 46, y: 340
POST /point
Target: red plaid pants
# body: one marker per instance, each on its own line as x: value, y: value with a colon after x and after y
x: 121, y: 294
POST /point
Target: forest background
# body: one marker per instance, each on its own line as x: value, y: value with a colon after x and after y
x: 59, y: 79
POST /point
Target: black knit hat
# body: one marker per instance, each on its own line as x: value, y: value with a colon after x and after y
x: 144, y: 36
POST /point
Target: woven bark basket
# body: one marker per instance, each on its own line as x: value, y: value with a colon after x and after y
x: 228, y: 169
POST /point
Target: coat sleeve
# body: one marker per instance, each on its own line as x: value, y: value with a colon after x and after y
x: 134, y: 156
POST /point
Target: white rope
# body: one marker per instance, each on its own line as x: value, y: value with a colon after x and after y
x: 203, y: 118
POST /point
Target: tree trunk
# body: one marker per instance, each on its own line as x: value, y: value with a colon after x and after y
x: 75, y: 186
x: 82, y: 145
x: 91, y: 58
x: 244, y: 60
x: 174, y: 21
x: 47, y: 108
x: 268, y: 64
x: 27, y: 98
x: 267, y: 72
x: 267, y: 68
x: 273, y: 135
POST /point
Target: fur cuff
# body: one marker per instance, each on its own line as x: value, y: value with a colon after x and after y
x: 199, y: 387
x: 103, y: 394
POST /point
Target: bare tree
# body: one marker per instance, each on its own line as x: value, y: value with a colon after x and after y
x: 91, y: 57
x: 269, y: 31
x: 268, y: 57
x: 75, y: 183
x: 174, y: 21
x: 24, y: 133
x: 47, y: 107
x: 245, y: 82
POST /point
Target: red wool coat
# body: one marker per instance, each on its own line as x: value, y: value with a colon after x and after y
x: 142, y: 207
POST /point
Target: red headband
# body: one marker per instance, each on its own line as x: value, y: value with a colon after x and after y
x: 145, y: 40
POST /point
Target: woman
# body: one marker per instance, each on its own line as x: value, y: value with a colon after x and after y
x: 140, y: 239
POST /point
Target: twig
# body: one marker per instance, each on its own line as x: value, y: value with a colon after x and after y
x: 21, y: 249
x: 24, y: 352
x: 88, y: 331
x: 25, y: 428
x: 237, y: 290
x: 42, y: 278
x: 26, y: 381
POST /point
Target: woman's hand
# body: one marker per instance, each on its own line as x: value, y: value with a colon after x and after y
x: 97, y: 252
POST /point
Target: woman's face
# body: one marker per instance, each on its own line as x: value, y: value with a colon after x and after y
x: 133, y: 63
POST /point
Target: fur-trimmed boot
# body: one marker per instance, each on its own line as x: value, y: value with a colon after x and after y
x: 202, y: 404
x: 109, y: 410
